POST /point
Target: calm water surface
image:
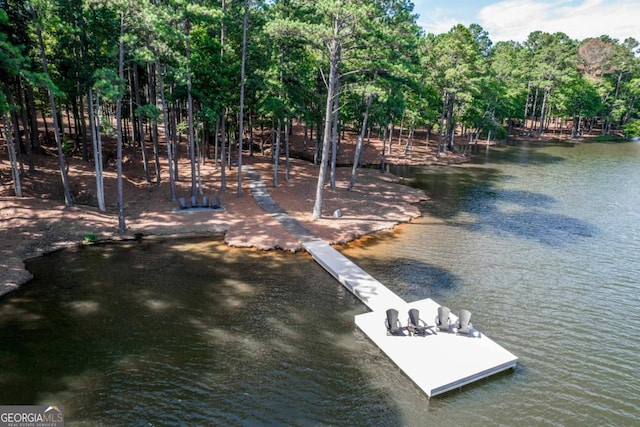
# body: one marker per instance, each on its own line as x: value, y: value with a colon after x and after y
x: 541, y: 244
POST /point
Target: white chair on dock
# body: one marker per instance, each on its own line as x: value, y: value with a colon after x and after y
x: 417, y: 326
x: 464, y: 325
x: 443, y: 322
x: 394, y: 327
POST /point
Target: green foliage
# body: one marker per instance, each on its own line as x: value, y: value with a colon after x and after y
x: 632, y: 129
x: 13, y: 62
x: 4, y: 104
x: 150, y: 112
x: 67, y: 146
x: 107, y: 127
x: 380, y: 48
x: 107, y: 84
x: 579, y: 98
x: 607, y: 138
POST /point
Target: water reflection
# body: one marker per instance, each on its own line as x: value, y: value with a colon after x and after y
x: 475, y: 197
x: 544, y: 254
x: 187, y: 332
x: 525, y: 155
x: 549, y: 229
x: 526, y: 214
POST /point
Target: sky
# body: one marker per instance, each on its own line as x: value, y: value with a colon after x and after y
x: 516, y: 19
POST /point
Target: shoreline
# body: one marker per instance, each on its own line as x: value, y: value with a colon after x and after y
x: 35, y: 226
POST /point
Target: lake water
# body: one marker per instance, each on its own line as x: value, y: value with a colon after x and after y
x: 541, y: 244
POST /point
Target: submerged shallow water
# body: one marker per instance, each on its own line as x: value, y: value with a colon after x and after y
x: 539, y: 243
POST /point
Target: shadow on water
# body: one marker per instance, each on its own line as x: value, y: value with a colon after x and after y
x: 523, y: 155
x: 526, y: 199
x: 525, y: 214
x: 549, y: 229
x: 414, y: 280
x: 184, y: 332
x: 449, y: 189
x: 474, y: 190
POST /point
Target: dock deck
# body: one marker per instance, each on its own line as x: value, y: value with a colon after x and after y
x: 435, y: 363
x: 371, y: 292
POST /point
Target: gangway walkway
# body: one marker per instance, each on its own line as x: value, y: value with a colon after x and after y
x: 435, y: 363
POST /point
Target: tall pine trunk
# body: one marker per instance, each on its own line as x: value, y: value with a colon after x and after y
x: 287, y: 165
x: 122, y: 227
x: 223, y: 153
x: 192, y: 143
x: 442, y: 136
x: 223, y: 117
x: 25, y: 123
x: 35, y: 142
x: 17, y: 135
x: 356, y: 156
x: 94, y: 121
x: 243, y: 62
x: 334, y: 136
x: 543, y: 112
x: 409, y: 142
x: 154, y: 121
x: 68, y: 197
x: 15, y: 170
x: 167, y: 135
x: 451, y: 126
x: 533, y: 112
x: 276, y: 160
x: 141, y: 139
x: 334, y: 65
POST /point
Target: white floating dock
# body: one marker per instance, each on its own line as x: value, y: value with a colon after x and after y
x: 436, y: 363
x: 374, y: 294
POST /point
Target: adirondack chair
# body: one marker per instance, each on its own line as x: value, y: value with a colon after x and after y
x: 443, y: 322
x: 394, y: 327
x: 464, y: 325
x: 417, y: 326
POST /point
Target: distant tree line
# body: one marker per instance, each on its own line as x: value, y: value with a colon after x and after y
x: 154, y: 73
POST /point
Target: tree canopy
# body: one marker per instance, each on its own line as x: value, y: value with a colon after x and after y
x: 212, y: 71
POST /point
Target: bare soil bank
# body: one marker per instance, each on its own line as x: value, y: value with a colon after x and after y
x: 39, y: 222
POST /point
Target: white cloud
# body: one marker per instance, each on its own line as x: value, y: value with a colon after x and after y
x: 438, y: 21
x: 515, y: 20
x: 438, y: 27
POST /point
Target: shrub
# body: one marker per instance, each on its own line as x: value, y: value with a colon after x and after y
x: 632, y: 129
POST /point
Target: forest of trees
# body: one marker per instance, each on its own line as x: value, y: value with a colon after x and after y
x: 210, y: 72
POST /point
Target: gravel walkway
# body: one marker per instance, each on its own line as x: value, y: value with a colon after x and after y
x: 265, y: 201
